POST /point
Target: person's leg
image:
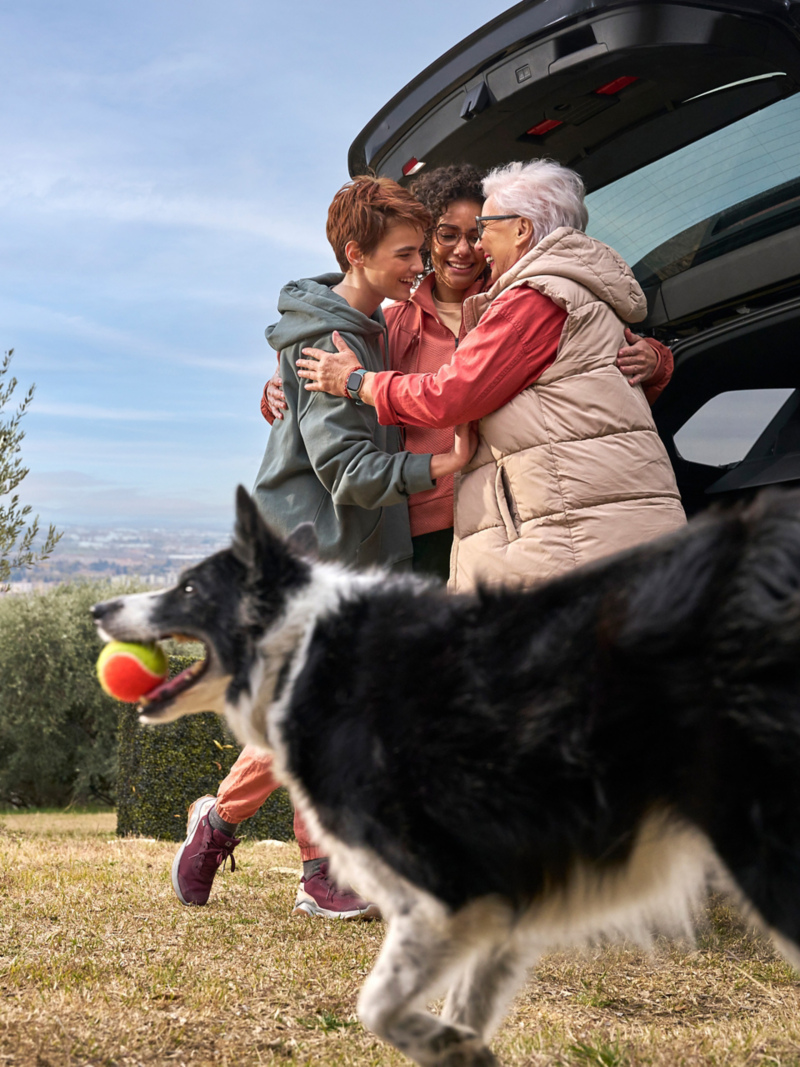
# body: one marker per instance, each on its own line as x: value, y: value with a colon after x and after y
x: 318, y: 895
x: 212, y: 824
x: 210, y: 841
x: 309, y: 852
x: 432, y: 553
x: 249, y: 782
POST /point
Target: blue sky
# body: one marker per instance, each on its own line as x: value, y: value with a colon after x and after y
x: 165, y: 169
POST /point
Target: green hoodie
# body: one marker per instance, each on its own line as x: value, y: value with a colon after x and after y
x: 328, y: 461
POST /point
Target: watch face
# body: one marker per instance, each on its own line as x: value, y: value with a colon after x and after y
x: 354, y: 381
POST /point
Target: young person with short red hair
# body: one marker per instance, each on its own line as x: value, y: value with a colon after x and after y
x: 330, y: 463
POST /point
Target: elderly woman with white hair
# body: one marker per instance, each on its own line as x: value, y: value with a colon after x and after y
x: 569, y: 465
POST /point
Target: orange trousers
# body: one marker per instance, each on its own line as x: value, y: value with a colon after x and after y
x: 248, y: 784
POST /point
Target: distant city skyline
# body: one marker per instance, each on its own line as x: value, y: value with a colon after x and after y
x: 152, y: 554
x: 166, y: 168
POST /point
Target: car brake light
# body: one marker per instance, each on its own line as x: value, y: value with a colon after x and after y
x: 412, y: 166
x: 618, y: 84
x: 544, y: 127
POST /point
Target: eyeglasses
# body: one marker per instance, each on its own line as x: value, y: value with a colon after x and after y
x: 480, y: 219
x: 450, y: 237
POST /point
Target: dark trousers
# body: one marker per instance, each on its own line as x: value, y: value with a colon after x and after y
x: 432, y: 553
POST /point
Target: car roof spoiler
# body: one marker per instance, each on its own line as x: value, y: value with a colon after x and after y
x: 603, y: 86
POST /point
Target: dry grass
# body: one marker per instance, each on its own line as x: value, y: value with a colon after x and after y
x: 99, y: 964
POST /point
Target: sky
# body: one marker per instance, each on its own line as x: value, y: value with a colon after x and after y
x: 165, y: 168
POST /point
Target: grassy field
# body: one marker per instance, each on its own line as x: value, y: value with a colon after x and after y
x: 99, y: 964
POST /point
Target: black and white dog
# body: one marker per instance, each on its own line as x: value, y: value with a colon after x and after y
x: 514, y: 770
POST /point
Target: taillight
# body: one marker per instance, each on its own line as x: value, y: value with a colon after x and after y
x: 618, y: 84
x: 544, y: 127
x: 412, y: 166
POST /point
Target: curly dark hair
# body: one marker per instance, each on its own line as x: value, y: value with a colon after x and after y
x: 441, y: 187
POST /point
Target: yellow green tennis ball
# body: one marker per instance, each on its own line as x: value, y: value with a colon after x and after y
x: 127, y: 671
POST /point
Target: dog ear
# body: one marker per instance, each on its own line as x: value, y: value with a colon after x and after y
x: 302, y: 541
x: 254, y: 544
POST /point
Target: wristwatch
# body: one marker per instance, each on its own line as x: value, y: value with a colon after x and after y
x: 353, y: 385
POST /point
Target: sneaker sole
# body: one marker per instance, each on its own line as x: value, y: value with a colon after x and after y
x: 306, y: 909
x: 196, y: 812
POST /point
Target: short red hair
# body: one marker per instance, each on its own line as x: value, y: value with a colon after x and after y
x: 363, y: 211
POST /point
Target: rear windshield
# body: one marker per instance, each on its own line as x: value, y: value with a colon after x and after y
x: 726, y: 190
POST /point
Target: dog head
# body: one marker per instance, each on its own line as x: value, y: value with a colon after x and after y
x: 227, y: 603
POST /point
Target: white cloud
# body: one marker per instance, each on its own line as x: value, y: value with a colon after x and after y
x: 93, y: 411
x: 25, y: 316
x: 62, y: 187
x: 144, y: 83
x: 70, y: 496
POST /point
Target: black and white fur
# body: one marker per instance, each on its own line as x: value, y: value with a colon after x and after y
x: 515, y: 770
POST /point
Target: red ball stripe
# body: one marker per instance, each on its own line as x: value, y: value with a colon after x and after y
x: 126, y: 678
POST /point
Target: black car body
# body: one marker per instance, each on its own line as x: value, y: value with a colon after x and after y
x: 683, y: 118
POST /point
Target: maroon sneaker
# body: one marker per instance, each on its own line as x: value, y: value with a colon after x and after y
x: 319, y: 895
x: 201, y: 855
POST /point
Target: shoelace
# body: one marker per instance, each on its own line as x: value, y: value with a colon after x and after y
x: 332, y: 887
x: 220, y: 854
x: 323, y: 873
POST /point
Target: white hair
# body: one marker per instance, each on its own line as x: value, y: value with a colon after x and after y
x: 543, y: 191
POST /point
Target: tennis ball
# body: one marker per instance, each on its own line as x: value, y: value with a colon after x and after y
x: 127, y: 671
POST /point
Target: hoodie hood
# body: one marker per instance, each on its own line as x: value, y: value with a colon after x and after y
x: 310, y: 307
x: 570, y: 253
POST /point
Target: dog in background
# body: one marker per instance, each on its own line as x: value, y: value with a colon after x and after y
x: 511, y: 771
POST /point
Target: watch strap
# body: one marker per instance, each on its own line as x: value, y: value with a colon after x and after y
x: 352, y: 390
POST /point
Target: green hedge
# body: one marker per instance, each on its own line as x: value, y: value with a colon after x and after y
x: 162, y: 769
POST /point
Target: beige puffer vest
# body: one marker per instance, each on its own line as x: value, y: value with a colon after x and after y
x: 572, y: 468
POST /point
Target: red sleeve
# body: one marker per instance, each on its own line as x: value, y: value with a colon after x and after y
x: 265, y: 408
x: 659, y: 380
x: 515, y: 341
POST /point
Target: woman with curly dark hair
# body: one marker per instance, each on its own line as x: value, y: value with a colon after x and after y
x: 425, y: 330
x: 449, y: 194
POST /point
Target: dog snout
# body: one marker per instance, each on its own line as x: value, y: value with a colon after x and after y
x: 127, y: 618
x: 104, y: 609
x: 104, y: 614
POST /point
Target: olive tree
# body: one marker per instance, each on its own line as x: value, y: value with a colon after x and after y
x: 17, y: 534
x: 57, y: 726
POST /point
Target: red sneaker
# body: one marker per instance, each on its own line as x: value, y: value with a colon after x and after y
x: 201, y: 855
x: 319, y: 895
